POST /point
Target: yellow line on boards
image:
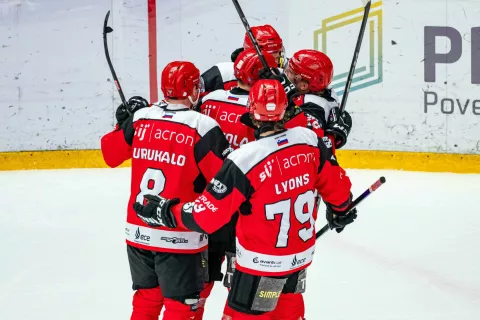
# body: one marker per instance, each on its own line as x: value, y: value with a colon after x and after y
x: 358, y: 159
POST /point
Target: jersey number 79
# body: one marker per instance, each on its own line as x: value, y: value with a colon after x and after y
x: 284, y: 208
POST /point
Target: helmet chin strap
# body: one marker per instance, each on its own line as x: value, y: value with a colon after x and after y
x: 194, y: 103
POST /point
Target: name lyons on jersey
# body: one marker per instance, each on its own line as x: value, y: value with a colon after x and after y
x: 292, y: 184
x: 159, y: 156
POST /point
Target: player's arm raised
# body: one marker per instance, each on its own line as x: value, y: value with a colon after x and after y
x: 116, y: 145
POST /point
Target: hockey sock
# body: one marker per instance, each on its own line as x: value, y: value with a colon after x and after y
x: 147, y: 304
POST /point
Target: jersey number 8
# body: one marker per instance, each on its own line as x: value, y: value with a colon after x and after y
x: 153, y: 182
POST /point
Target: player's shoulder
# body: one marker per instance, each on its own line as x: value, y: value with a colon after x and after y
x: 226, y: 70
x: 302, y: 135
x: 216, y: 95
x: 147, y: 113
x: 184, y: 116
x: 249, y: 155
x: 205, y: 123
x: 315, y: 99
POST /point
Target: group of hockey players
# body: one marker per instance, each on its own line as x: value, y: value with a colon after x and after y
x: 230, y: 168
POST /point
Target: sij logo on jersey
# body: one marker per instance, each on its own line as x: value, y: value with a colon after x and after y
x: 141, y: 130
x: 267, y: 173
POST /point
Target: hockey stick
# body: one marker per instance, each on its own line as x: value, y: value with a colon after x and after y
x: 250, y: 33
x: 367, y: 4
x: 355, y: 202
x: 107, y: 29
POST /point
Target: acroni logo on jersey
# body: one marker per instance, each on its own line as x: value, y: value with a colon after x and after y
x: 340, y: 28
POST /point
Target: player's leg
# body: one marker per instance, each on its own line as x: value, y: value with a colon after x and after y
x: 182, y: 280
x: 253, y: 297
x: 147, y: 300
x: 228, y: 312
x: 291, y: 305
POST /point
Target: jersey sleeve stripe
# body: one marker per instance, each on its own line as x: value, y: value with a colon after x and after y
x: 189, y: 222
x: 231, y: 177
x: 325, y: 155
x: 214, y: 141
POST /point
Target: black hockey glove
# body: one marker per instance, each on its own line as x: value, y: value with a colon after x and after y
x: 339, y: 125
x: 338, y: 220
x: 133, y: 104
x: 275, y: 74
x: 157, y: 211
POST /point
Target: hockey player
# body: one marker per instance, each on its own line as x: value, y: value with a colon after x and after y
x: 174, y: 152
x: 222, y: 76
x: 312, y: 72
x: 228, y: 107
x: 271, y: 256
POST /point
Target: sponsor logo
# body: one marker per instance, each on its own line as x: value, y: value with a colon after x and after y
x: 227, y: 151
x: 141, y: 130
x: 298, y: 159
x: 174, y: 240
x: 370, y: 71
x: 238, y: 252
x: 267, y: 263
x: 203, y: 237
x: 282, y: 140
x: 297, y: 262
x: 218, y: 187
x: 434, y: 37
x: 202, y: 203
x: 159, y: 156
x: 327, y: 142
x: 269, y: 294
x: 267, y: 171
x: 178, y: 137
x: 141, y: 238
x: 188, y: 207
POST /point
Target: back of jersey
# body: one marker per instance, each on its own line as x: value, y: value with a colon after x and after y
x: 226, y: 107
x: 278, y: 236
x: 171, y: 146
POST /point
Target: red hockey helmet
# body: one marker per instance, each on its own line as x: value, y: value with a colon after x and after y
x: 267, y: 37
x: 248, y: 64
x: 314, y: 67
x: 267, y: 101
x: 179, y: 78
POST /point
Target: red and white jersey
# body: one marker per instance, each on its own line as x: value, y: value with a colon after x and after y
x: 274, y: 182
x: 323, y: 103
x: 219, y: 77
x: 226, y: 107
x: 175, y: 151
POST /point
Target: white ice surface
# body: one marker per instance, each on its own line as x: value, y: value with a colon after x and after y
x: 414, y: 252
